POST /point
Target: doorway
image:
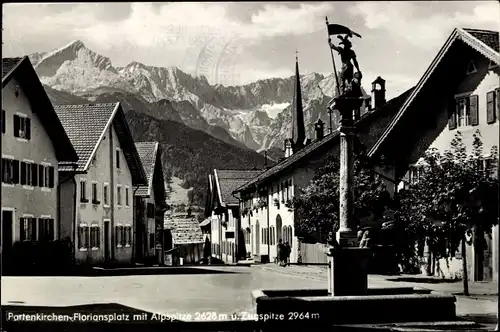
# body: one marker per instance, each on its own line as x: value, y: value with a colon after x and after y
x: 7, y: 237
x: 106, y: 241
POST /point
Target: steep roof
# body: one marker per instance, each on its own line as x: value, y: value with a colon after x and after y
x: 147, y: 153
x: 184, y: 229
x: 483, y: 41
x: 289, y: 162
x: 227, y: 181
x: 87, y: 124
x: 24, y: 73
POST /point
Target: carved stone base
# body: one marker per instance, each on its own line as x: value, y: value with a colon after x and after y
x: 347, y: 239
x: 348, y: 271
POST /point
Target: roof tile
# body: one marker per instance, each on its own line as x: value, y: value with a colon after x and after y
x: 147, y: 154
x: 490, y: 38
x: 8, y: 64
x: 84, y: 124
x: 185, y: 230
x: 230, y: 180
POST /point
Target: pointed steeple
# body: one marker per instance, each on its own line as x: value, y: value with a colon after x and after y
x: 298, y: 130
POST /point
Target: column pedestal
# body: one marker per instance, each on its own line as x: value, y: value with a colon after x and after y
x: 348, y: 271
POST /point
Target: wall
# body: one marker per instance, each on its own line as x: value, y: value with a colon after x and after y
x: 67, y: 199
x: 89, y: 213
x: 439, y: 136
x: 25, y: 200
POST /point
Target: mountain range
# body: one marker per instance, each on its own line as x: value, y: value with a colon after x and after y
x: 232, y: 121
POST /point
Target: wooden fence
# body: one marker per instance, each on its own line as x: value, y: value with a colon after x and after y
x: 313, y: 253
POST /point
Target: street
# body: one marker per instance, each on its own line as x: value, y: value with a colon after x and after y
x: 220, y: 290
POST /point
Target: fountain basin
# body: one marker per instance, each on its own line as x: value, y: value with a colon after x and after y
x: 379, y: 305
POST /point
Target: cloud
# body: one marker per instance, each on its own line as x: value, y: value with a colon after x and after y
x: 423, y: 28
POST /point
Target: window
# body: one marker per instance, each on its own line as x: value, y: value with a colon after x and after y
x: 95, y: 236
x: 46, y: 229
x: 28, y: 229
x: 415, y: 173
x: 26, y: 173
x: 95, y: 195
x: 3, y: 122
x: 151, y: 210
x: 128, y: 236
x: 22, y: 127
x: 151, y: 240
x: 10, y: 171
x: 120, y: 236
x: 83, y: 237
x: 119, y: 195
x: 490, y: 107
x: 463, y: 112
x: 118, y: 158
x: 492, y: 64
x: 126, y: 196
x: 83, y: 191
x: 105, y: 194
x: 45, y: 176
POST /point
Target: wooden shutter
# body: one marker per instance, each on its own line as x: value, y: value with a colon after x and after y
x: 41, y: 176
x: 473, y: 109
x: 23, y: 173
x: 33, y: 229
x: 16, y: 125
x: 498, y: 103
x: 452, y: 114
x: 21, y: 229
x: 51, y: 177
x: 16, y: 171
x: 3, y: 121
x: 490, y: 107
x: 34, y: 175
x: 41, y: 229
x: 27, y: 123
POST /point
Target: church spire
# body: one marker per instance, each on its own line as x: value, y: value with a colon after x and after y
x: 298, y: 131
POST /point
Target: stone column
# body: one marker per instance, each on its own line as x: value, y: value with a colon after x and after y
x: 347, y: 262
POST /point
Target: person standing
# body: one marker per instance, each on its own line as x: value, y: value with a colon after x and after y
x: 279, y: 252
x: 287, y: 250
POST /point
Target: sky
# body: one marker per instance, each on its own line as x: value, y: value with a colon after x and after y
x: 233, y: 43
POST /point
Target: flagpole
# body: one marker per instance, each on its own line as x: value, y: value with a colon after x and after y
x: 333, y: 59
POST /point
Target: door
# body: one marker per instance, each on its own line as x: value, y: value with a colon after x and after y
x: 7, y: 240
x: 106, y: 241
x: 257, y: 238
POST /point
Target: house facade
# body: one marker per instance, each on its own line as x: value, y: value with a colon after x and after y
x: 150, y: 205
x: 33, y: 142
x: 227, y: 228
x: 97, y: 204
x: 459, y: 92
x: 264, y: 199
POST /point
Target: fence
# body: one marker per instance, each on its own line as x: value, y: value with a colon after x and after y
x: 313, y: 253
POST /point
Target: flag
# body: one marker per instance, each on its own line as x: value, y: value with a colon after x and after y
x: 337, y: 29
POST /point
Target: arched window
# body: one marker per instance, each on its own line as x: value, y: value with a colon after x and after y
x: 291, y: 235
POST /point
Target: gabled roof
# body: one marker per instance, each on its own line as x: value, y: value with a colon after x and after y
x: 87, y: 124
x: 484, y: 41
x: 24, y: 73
x: 184, y: 229
x: 391, y: 106
x: 147, y: 153
x: 227, y: 181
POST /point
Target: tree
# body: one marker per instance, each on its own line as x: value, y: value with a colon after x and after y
x: 317, y: 206
x: 455, y: 195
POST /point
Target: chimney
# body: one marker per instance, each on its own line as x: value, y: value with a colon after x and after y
x: 378, y: 92
x: 288, y: 148
x: 319, y: 127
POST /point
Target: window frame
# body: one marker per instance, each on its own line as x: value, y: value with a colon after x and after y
x: 83, y: 193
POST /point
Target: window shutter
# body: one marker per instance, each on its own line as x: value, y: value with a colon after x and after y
x: 21, y: 230
x: 473, y: 107
x: 33, y: 229
x: 51, y: 177
x: 16, y: 171
x: 3, y: 121
x: 490, y: 107
x: 498, y: 104
x: 41, y: 229
x: 16, y: 125
x: 28, y: 128
x: 452, y: 114
x: 23, y: 173
x: 34, y: 175
x: 41, y: 176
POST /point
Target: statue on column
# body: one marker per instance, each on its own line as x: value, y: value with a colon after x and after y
x: 350, y: 84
